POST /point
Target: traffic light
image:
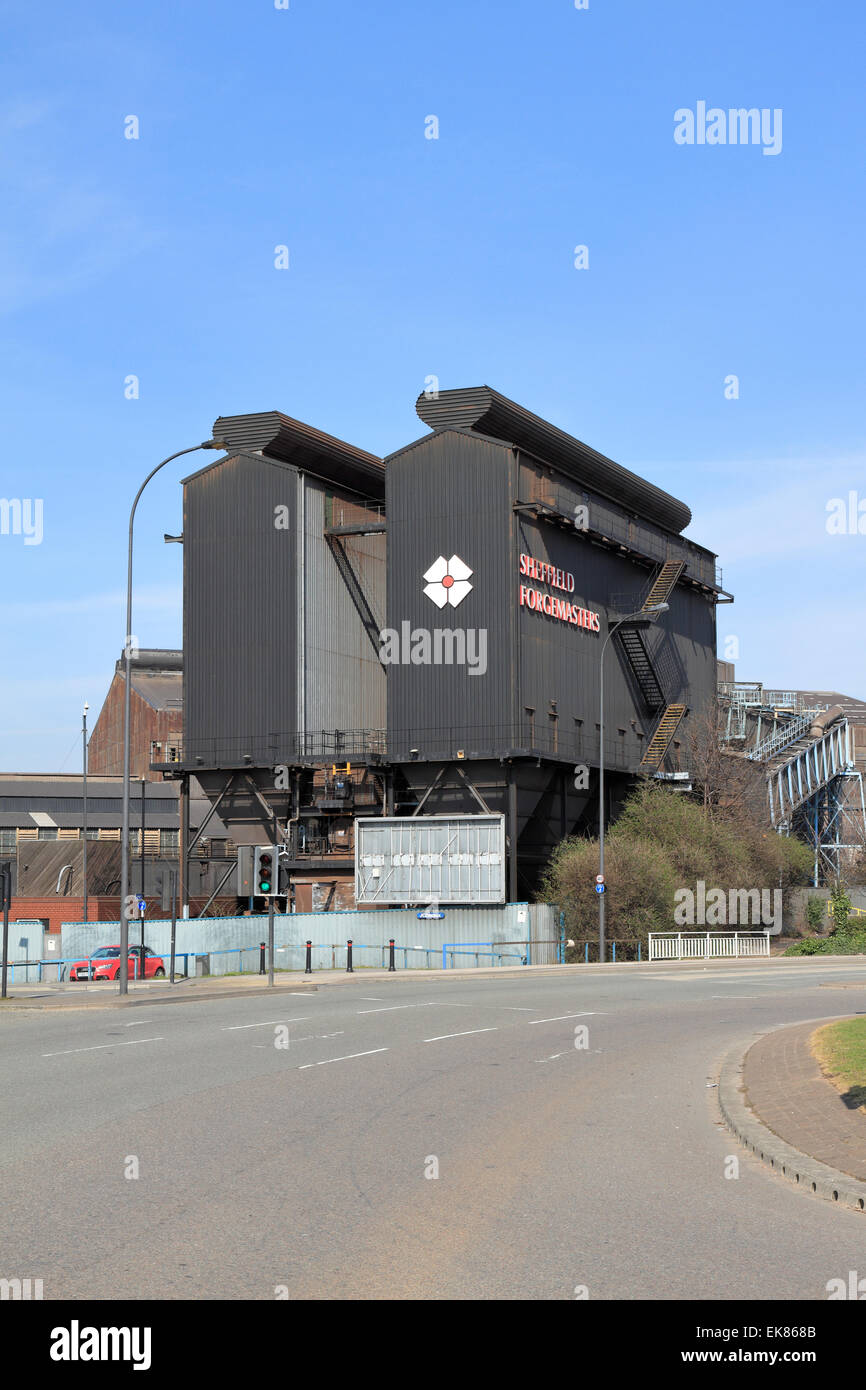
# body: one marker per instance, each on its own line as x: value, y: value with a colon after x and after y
x: 265, y: 871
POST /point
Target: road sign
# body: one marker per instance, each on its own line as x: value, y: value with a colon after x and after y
x: 599, y: 888
x: 599, y: 878
x: 142, y: 906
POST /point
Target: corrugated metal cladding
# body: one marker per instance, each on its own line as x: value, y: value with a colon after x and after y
x: 345, y: 680
x: 274, y: 646
x: 540, y: 483
x: 222, y: 937
x: 450, y: 494
x: 485, y: 410
x: 305, y: 448
x: 240, y: 652
x: 559, y: 662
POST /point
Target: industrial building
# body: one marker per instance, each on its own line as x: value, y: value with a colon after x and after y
x: 421, y: 634
x: 810, y: 746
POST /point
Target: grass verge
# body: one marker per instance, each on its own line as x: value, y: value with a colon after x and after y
x: 841, y: 1051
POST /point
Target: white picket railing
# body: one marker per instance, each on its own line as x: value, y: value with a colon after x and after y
x: 686, y: 945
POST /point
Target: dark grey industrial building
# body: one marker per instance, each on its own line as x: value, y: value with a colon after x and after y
x: 422, y: 633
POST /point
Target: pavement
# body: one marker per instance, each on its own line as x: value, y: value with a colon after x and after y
x: 789, y: 1093
x: 457, y: 1135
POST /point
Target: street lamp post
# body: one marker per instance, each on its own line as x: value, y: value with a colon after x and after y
x: 631, y: 620
x: 84, y: 810
x: 123, y: 973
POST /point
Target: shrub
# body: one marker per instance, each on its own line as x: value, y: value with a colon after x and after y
x: 840, y: 906
x: 815, y: 911
x: 663, y: 841
x: 811, y: 946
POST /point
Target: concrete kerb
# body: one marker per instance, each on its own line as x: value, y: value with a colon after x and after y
x: 800, y: 1169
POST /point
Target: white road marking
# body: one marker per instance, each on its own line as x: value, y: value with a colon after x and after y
x: 133, y: 1042
x: 735, y: 996
x: 559, y: 1018
x: 443, y: 1036
x: 371, y: 999
x: 392, y: 1008
x: 139, y: 1023
x: 342, y: 1059
x: 238, y: 1027
x: 310, y: 1037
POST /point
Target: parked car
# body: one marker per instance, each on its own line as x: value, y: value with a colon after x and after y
x: 104, y: 964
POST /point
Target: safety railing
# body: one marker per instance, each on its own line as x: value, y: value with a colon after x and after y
x: 852, y: 911
x: 707, y: 945
x: 616, y: 950
x: 252, y: 959
x: 783, y: 738
x: 479, y: 949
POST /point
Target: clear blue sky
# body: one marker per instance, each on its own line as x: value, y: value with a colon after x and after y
x: 411, y: 257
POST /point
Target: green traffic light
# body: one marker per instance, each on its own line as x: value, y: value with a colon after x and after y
x: 265, y: 887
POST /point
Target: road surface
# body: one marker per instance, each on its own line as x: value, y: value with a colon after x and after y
x: 308, y: 1170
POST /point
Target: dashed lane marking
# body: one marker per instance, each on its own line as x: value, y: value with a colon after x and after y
x: 392, y: 1008
x: 133, y: 1042
x: 560, y: 1017
x: 442, y: 1037
x: 348, y: 1058
x: 273, y: 1023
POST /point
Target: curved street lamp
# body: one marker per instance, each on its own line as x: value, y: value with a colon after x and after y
x: 123, y: 973
x: 231, y: 452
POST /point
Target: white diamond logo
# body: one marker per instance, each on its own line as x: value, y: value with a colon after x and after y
x: 447, y: 581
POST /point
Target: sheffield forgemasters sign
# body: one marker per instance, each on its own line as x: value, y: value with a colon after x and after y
x: 421, y: 859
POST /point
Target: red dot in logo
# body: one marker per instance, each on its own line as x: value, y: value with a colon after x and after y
x: 447, y: 581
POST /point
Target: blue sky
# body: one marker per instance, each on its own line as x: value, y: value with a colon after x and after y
x: 412, y: 257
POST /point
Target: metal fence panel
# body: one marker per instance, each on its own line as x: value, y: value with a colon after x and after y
x: 418, y: 942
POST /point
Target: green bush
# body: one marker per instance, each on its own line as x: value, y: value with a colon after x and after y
x: 840, y: 906
x: 810, y: 946
x: 663, y: 841
x: 815, y: 912
x: 841, y: 943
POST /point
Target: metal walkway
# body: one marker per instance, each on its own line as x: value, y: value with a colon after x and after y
x: 816, y: 789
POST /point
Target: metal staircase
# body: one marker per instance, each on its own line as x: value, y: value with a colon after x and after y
x: 663, y: 583
x: 642, y: 667
x: 663, y: 736
x: 645, y: 671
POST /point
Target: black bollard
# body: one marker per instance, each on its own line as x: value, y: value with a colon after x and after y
x: 391, y: 965
x: 261, y: 958
x: 309, y: 969
x: 349, y: 969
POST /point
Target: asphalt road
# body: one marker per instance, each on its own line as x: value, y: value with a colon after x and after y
x: 267, y: 1170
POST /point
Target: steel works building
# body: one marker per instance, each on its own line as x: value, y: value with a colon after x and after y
x: 421, y: 634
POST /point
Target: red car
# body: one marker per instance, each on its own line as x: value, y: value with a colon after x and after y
x: 104, y: 964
